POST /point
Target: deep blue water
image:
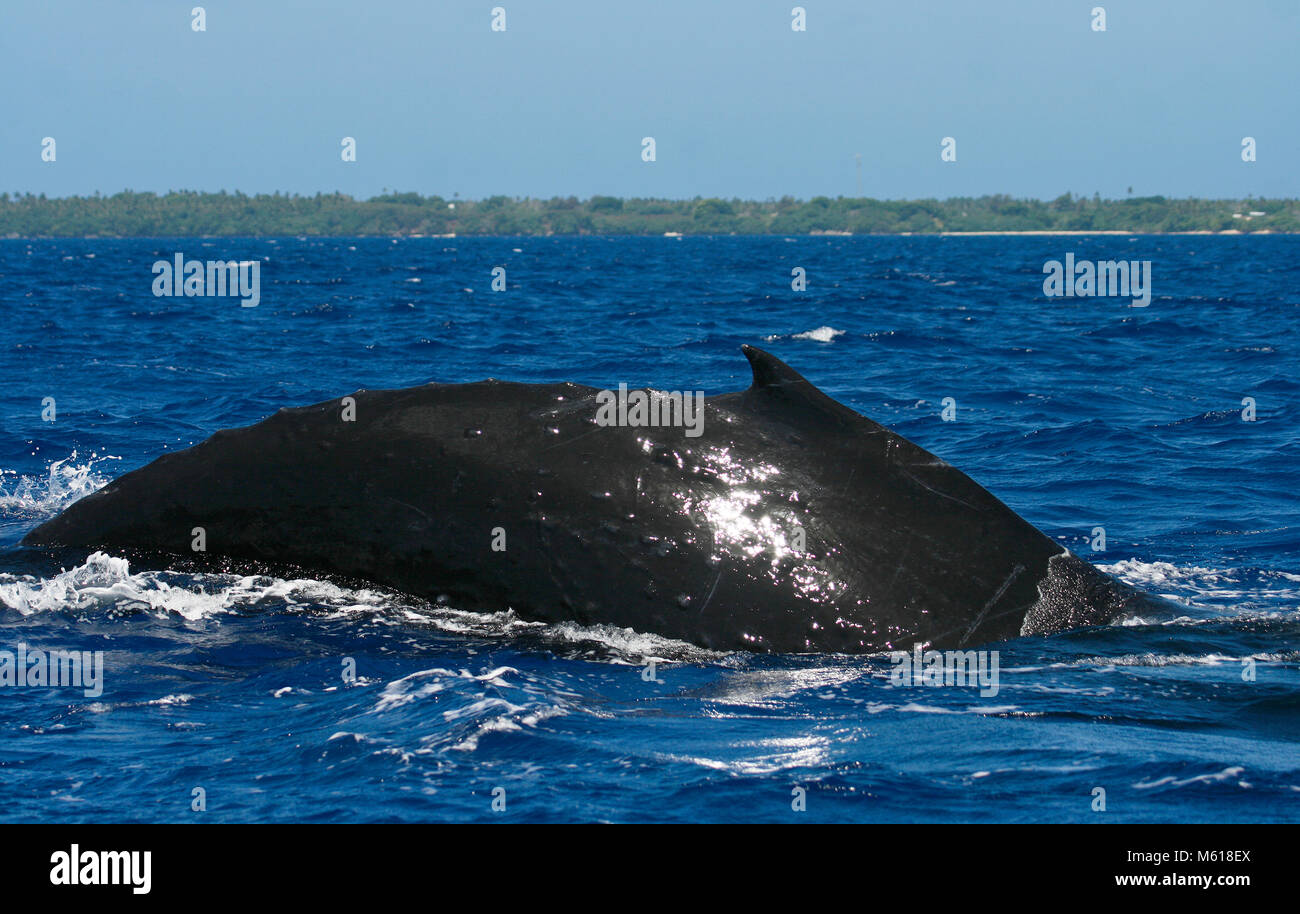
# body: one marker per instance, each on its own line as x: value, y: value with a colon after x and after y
x: 1076, y: 412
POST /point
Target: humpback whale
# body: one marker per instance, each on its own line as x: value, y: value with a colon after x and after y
x: 785, y: 521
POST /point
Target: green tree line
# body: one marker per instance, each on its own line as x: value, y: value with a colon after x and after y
x: 190, y: 213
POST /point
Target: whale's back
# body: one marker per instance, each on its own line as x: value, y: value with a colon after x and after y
x: 789, y: 523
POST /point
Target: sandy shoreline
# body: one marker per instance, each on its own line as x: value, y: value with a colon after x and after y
x: 1115, y: 232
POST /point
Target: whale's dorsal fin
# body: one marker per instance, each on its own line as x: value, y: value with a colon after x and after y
x: 777, y: 381
x: 769, y: 371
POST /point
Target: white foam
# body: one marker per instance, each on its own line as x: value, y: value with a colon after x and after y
x: 476, y: 704
x: 493, y: 725
x: 1139, y: 573
x: 481, y: 708
x: 630, y: 646
x: 1212, y: 588
x: 820, y: 334
x: 791, y: 753
x: 106, y: 582
x: 64, y: 482
x: 412, y: 688
x: 1153, y: 659
x: 1227, y: 774
x: 166, y: 700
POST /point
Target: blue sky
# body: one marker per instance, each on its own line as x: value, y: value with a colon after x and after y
x: 738, y: 103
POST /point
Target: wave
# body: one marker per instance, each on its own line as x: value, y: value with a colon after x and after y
x: 473, y: 705
x: 819, y: 334
x: 1231, y: 775
x: 1202, y: 587
x: 64, y: 482
x: 105, y: 585
x: 1154, y: 659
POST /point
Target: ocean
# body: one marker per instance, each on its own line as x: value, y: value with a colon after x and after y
x: 236, y: 696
